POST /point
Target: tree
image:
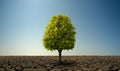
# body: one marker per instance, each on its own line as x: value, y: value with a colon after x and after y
x: 59, y: 34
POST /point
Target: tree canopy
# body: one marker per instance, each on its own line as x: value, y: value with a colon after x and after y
x: 59, y: 33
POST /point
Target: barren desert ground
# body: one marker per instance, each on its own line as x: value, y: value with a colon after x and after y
x: 50, y: 63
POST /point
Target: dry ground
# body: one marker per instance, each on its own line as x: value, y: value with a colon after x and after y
x: 50, y: 63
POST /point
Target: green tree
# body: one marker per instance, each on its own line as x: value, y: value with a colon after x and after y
x: 59, y: 34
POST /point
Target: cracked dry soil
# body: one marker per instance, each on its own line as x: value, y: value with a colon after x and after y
x: 50, y: 63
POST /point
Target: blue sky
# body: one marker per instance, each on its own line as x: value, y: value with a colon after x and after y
x: 23, y: 22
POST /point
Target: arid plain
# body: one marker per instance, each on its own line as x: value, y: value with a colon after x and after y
x: 50, y: 63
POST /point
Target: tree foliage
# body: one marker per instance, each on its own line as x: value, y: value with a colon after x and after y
x: 59, y: 33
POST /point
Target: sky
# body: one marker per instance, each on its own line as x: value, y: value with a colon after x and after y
x: 23, y: 22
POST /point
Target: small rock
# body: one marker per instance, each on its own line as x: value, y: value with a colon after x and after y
x: 78, y: 65
x: 18, y: 68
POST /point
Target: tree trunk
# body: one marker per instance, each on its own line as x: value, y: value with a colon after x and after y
x: 60, y: 52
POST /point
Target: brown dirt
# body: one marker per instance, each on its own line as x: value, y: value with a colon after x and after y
x: 50, y: 63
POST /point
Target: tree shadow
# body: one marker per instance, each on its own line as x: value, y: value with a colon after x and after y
x: 68, y: 63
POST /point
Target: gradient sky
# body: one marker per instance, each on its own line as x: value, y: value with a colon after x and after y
x: 23, y: 22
